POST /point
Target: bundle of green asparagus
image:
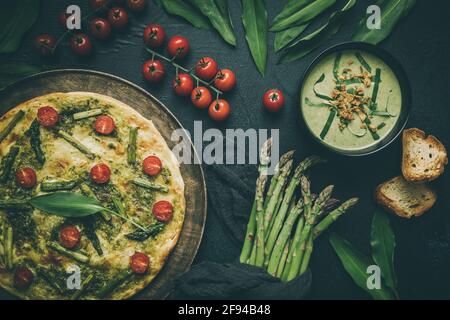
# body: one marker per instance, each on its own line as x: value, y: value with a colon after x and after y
x: 282, y: 228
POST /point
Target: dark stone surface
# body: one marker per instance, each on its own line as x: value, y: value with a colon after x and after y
x: 421, y: 43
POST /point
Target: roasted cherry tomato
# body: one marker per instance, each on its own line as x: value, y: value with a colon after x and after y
x: 69, y: 237
x: 26, y: 178
x: 153, y: 71
x: 100, y: 28
x: 139, y: 263
x: 118, y: 17
x: 80, y: 44
x: 100, y: 173
x: 273, y: 100
x: 206, y: 68
x: 136, y: 5
x: 154, y: 35
x: 152, y: 165
x: 97, y: 4
x: 201, y: 97
x: 178, y: 47
x: 45, y: 44
x: 104, y: 125
x: 163, y: 210
x: 219, y: 110
x: 225, y: 80
x: 47, y: 116
x: 183, y: 84
x: 23, y: 277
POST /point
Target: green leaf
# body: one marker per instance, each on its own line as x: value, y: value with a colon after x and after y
x: 16, y: 17
x: 356, y: 263
x: 308, y: 43
x: 391, y: 12
x: 254, y: 19
x: 285, y: 37
x: 382, y: 240
x: 10, y: 73
x: 187, y: 12
x: 303, y: 15
x: 289, y: 9
x: 219, y: 21
x: 67, y: 204
x: 222, y: 5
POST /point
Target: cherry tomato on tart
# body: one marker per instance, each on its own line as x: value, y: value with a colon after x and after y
x: 153, y: 71
x: 219, y: 110
x: 47, y: 116
x: 139, y: 263
x: 183, y: 84
x: 152, y: 165
x: 104, y: 125
x: 273, y: 100
x: 201, y: 97
x: 206, y: 68
x: 225, y: 80
x: 69, y: 237
x: 100, y: 173
x: 163, y: 211
x: 154, y: 35
x: 178, y: 47
x: 26, y: 177
x: 23, y: 278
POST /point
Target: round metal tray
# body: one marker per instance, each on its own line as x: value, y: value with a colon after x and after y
x: 67, y: 80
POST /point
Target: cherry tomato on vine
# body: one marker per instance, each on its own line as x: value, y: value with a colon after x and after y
x: 183, y: 84
x: 178, y: 47
x: 45, y: 44
x: 104, y: 125
x: 117, y: 17
x: 23, y: 277
x: 273, y: 100
x: 80, y: 44
x: 153, y: 71
x: 100, y: 173
x: 201, y: 97
x: 206, y: 68
x: 136, y: 5
x: 97, y: 4
x: 69, y: 237
x: 47, y: 116
x: 154, y: 35
x: 162, y: 211
x: 219, y: 110
x: 225, y: 80
x: 139, y: 263
x: 152, y: 165
x: 26, y: 178
x: 100, y: 28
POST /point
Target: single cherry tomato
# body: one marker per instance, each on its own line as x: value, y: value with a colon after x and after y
x: 206, y: 68
x: 104, y: 125
x: 153, y: 71
x: 100, y: 28
x: 97, y: 4
x: 152, y: 165
x: 69, y: 237
x: 139, y: 263
x: 225, y: 80
x: 201, y: 97
x: 154, y: 35
x: 80, y: 44
x: 219, y: 110
x: 45, y: 44
x: 118, y: 17
x: 178, y: 47
x: 163, y: 210
x: 47, y: 116
x: 23, y: 277
x: 100, y: 173
x: 273, y: 100
x: 183, y: 84
x: 136, y: 5
x: 26, y: 178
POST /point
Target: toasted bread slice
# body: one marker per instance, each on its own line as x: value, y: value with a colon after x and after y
x: 424, y: 157
x: 404, y: 198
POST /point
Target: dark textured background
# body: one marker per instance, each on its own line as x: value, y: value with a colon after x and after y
x: 421, y: 43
